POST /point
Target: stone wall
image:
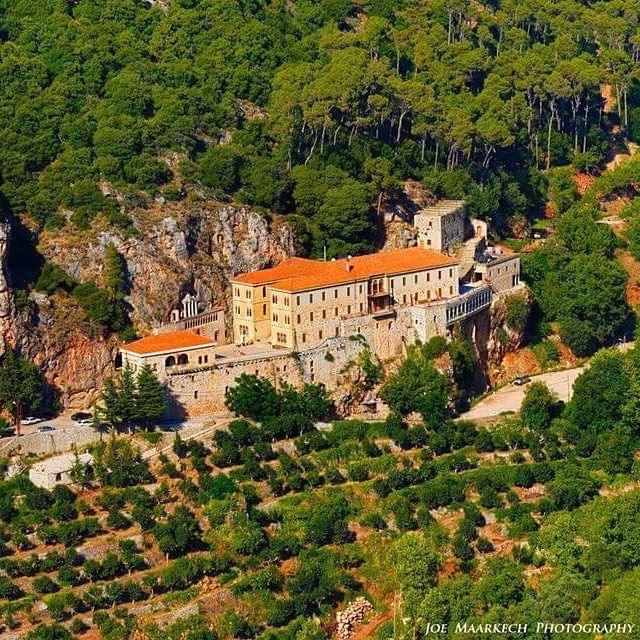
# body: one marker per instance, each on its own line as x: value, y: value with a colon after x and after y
x: 45, y: 443
x: 202, y: 392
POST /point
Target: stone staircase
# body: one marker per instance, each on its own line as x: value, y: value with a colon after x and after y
x: 467, y: 255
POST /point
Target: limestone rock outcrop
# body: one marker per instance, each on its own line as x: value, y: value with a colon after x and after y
x: 174, y: 248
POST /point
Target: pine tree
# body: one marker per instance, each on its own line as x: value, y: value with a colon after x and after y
x: 115, y: 279
x: 151, y: 402
x: 20, y: 386
x: 110, y: 409
x: 128, y: 397
x: 80, y: 472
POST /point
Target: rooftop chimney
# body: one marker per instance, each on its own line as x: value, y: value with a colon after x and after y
x: 347, y: 265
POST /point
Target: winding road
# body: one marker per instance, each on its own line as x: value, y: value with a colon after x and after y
x: 510, y: 397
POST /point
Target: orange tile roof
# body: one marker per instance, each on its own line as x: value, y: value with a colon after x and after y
x: 172, y: 341
x: 312, y: 274
x: 286, y: 269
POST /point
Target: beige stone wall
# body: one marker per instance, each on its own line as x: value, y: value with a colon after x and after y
x: 318, y: 314
x: 503, y: 273
x: 244, y: 329
x: 440, y: 232
x: 212, y: 324
x: 162, y: 363
x: 54, y: 442
x: 202, y: 392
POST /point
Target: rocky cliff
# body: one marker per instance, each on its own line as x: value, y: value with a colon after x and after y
x: 491, y: 339
x: 174, y: 248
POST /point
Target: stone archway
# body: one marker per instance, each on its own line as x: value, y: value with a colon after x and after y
x: 170, y: 362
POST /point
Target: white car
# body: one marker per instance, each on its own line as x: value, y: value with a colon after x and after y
x: 30, y: 420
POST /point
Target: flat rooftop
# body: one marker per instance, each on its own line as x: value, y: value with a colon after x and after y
x: 442, y: 208
x: 61, y: 463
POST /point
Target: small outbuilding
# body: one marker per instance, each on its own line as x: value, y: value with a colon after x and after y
x: 53, y: 471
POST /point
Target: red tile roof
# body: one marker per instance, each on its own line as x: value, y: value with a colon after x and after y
x: 172, y: 341
x: 286, y: 269
x: 297, y: 274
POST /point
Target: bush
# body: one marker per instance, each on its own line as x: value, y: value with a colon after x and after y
x: 44, y: 584
x: 517, y: 312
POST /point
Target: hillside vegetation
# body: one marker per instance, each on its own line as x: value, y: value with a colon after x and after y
x: 312, y: 108
x: 271, y: 526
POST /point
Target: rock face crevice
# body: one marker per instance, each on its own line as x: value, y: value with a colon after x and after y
x: 6, y: 297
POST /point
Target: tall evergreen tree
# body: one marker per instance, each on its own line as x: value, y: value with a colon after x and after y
x: 151, y: 403
x: 115, y: 278
x: 131, y: 400
x: 20, y: 386
x: 128, y: 397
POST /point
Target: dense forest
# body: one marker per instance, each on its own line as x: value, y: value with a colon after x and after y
x: 311, y: 108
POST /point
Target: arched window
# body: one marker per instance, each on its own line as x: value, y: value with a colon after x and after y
x: 170, y: 362
x: 183, y: 358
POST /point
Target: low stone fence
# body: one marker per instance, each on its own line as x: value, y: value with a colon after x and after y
x: 57, y: 441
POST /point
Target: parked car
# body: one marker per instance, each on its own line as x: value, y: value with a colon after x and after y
x: 30, y: 420
x: 521, y: 380
x: 82, y: 419
x: 46, y: 428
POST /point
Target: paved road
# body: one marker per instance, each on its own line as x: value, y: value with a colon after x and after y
x: 509, y: 397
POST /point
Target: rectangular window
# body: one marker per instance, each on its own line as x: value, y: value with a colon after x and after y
x: 320, y: 335
x: 337, y: 331
x: 311, y: 317
x: 297, y: 299
x: 311, y: 297
x: 264, y: 292
x: 335, y: 293
x: 404, y: 282
x: 360, y: 290
x: 264, y: 309
x: 428, y: 277
x: 304, y: 337
x: 324, y: 296
x: 415, y: 279
x: 298, y: 319
x: 451, y: 273
x: 324, y: 314
x: 348, y: 309
x: 348, y: 291
x: 335, y: 311
x: 439, y: 275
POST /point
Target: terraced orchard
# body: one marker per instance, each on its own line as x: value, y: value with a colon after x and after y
x: 275, y: 529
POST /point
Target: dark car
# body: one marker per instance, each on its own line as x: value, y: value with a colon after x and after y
x: 46, y: 428
x: 82, y: 418
x: 521, y: 380
x: 80, y: 415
